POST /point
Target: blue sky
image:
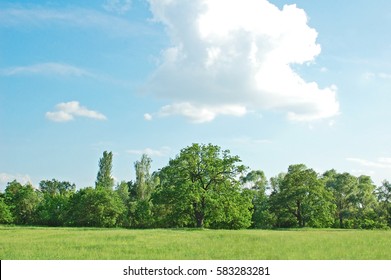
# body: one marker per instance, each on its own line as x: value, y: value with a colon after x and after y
x: 276, y: 82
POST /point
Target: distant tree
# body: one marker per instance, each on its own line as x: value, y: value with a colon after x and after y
x: 122, y: 190
x: 5, y: 213
x: 22, y: 201
x: 255, y: 183
x: 200, y: 188
x: 141, y: 206
x: 367, y: 205
x: 255, y: 180
x: 283, y: 218
x: 383, y: 193
x: 344, y: 187
x: 96, y: 208
x: 53, y: 208
x: 104, y: 179
x: 302, y: 195
x: 54, y: 187
x: 143, y: 182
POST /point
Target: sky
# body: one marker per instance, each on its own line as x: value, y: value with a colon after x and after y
x: 276, y: 82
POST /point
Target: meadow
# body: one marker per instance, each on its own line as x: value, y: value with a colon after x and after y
x: 42, y: 243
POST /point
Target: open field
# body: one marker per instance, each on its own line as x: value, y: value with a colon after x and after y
x: 123, y: 244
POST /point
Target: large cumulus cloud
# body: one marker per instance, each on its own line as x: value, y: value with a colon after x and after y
x: 230, y: 57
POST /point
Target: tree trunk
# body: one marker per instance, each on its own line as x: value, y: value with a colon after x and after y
x: 199, y: 215
x: 299, y: 217
x: 340, y: 220
x: 200, y: 220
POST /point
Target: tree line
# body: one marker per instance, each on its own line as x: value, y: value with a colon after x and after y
x: 203, y: 186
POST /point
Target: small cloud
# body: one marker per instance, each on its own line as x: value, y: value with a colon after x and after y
x: 383, y: 162
x: 118, y: 6
x: 162, y: 152
x: 250, y: 141
x: 371, y: 76
x: 148, y: 117
x: 69, y: 110
x: 324, y: 69
x: 201, y: 114
x: 385, y: 76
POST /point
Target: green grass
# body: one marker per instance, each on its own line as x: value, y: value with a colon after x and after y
x: 30, y: 243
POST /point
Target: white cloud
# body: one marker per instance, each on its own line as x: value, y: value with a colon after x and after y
x: 67, y: 111
x: 21, y: 178
x: 201, y: 114
x: 246, y: 141
x: 237, y: 54
x: 370, y: 76
x: 49, y: 68
x: 148, y: 117
x: 118, y: 6
x: 162, y: 152
x: 36, y: 16
x: 379, y: 163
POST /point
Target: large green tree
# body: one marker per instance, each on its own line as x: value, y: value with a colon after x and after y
x: 53, y: 208
x: 104, y: 179
x: 302, y: 195
x: 96, y: 208
x: 23, y: 201
x: 200, y: 188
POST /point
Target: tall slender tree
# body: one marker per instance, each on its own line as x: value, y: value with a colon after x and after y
x: 104, y: 180
x: 143, y: 177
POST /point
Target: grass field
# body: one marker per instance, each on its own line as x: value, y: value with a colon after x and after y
x: 32, y: 243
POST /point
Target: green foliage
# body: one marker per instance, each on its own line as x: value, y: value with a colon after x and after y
x: 355, y: 200
x: 95, y: 208
x: 144, y: 181
x: 301, y: 195
x: 22, y: 201
x: 199, y: 188
x: 255, y: 184
x: 203, y: 186
x: 54, y: 207
x: 5, y: 213
x: 141, y: 213
x: 104, y: 180
x: 383, y: 193
x: 122, y: 190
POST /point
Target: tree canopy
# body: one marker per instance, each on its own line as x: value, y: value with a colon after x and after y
x: 203, y: 186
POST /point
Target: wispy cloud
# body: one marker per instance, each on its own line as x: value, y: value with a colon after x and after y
x: 383, y: 162
x: 162, y: 152
x: 50, y: 68
x: 37, y: 16
x: 199, y: 113
x: 251, y: 141
x: 118, y: 6
x: 69, y: 110
x: 381, y: 75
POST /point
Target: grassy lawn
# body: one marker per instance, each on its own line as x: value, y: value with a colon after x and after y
x: 30, y: 243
